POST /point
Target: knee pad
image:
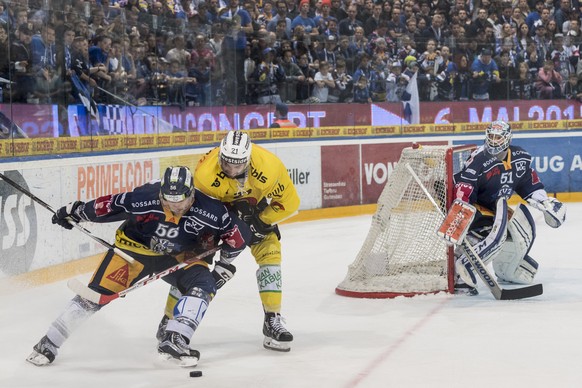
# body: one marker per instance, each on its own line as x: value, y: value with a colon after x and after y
x: 268, y: 251
x: 197, y: 276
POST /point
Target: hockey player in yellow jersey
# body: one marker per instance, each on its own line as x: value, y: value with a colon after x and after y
x: 254, y: 183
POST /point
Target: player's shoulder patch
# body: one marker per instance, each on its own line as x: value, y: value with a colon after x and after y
x: 518, y: 152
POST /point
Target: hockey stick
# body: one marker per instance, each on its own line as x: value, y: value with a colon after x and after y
x: 165, y: 123
x: 118, y: 251
x: 101, y: 299
x: 6, y: 81
x: 9, y: 128
x: 498, y: 292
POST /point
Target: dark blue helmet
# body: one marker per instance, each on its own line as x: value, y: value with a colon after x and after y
x: 177, y: 184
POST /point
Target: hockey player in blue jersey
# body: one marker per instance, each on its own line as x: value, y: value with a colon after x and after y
x: 164, y: 222
x: 492, y: 174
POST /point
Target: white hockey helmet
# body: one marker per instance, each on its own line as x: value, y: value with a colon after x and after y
x: 497, y: 137
x: 235, y: 152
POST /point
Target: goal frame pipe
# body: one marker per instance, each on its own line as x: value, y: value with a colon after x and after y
x: 450, y: 199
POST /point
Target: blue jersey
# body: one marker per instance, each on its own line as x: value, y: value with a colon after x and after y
x: 148, y: 229
x: 484, y: 178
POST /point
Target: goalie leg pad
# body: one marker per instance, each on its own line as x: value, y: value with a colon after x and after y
x: 513, y: 263
x: 492, y: 244
x: 487, y: 248
x: 465, y: 272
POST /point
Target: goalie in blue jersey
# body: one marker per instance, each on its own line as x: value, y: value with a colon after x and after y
x: 492, y: 174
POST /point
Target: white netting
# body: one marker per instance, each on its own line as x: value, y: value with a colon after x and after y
x: 402, y: 253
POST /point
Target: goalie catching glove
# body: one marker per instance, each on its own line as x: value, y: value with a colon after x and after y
x: 68, y: 214
x: 222, y: 273
x: 554, y: 210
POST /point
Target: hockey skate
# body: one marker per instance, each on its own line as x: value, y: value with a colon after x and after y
x: 465, y: 289
x: 465, y: 280
x: 462, y: 288
x: 277, y: 337
x: 174, y: 346
x: 161, y: 333
x: 44, y: 352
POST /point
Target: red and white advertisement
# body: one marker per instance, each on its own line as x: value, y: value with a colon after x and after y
x: 347, y: 168
x: 112, y: 178
x: 42, y: 120
x: 376, y: 114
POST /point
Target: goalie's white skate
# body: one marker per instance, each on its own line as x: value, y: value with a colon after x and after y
x: 277, y: 337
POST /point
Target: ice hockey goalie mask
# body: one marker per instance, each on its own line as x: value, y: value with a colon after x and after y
x: 497, y: 137
x: 235, y: 153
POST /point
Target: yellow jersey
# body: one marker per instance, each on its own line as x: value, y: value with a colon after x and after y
x: 267, y: 178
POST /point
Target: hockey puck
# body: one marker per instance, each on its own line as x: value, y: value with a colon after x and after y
x: 196, y: 373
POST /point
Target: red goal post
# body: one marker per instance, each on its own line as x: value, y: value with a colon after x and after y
x: 402, y: 254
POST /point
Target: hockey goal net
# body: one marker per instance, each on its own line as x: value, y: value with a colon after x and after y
x: 402, y: 254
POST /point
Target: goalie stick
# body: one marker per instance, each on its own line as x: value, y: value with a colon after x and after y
x: 478, y: 265
x: 101, y: 299
x: 118, y: 251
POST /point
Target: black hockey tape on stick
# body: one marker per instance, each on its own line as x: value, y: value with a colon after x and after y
x: 42, y: 203
x: 477, y: 264
x: 87, y: 293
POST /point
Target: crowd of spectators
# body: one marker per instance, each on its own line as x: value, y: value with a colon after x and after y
x: 234, y: 52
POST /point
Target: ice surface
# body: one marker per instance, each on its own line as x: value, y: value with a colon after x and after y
x: 427, y: 341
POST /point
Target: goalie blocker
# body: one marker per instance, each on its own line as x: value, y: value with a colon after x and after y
x: 456, y: 225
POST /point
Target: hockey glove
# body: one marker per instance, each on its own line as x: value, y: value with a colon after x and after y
x: 259, y: 229
x: 68, y: 214
x: 222, y: 273
x: 554, y: 211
